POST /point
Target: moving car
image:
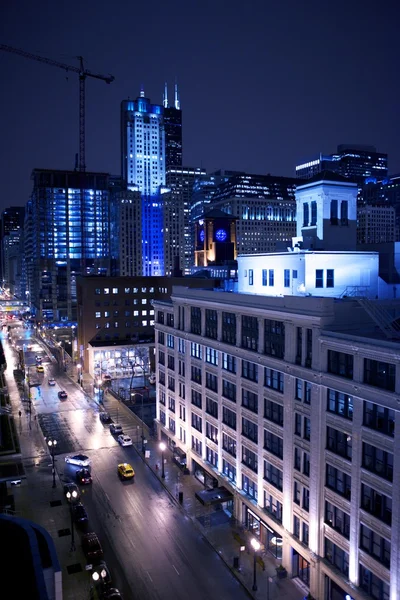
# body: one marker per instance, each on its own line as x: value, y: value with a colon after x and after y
x: 79, y: 514
x: 81, y: 460
x: 105, y: 417
x: 91, y: 547
x: 83, y: 476
x: 111, y: 593
x: 116, y: 429
x: 51, y: 381
x: 40, y: 368
x: 125, y: 471
x: 62, y: 395
x: 38, y: 360
x: 71, y: 487
x: 124, y: 440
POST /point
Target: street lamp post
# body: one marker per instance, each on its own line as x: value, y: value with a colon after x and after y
x: 133, y: 394
x: 79, y: 367
x: 162, y: 448
x: 71, y: 497
x: 256, y: 546
x: 52, y: 443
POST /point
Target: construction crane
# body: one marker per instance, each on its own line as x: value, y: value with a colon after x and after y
x: 83, y: 74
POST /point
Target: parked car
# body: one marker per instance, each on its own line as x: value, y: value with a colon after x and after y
x: 79, y: 514
x: 125, y: 471
x: 71, y: 487
x: 62, y: 395
x: 81, y: 460
x: 116, y: 429
x: 83, y: 476
x: 38, y: 360
x: 124, y: 440
x: 91, y: 547
x: 101, y: 575
x: 51, y: 381
x: 111, y: 593
x: 105, y: 417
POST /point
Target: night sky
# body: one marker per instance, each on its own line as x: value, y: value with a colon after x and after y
x: 263, y: 84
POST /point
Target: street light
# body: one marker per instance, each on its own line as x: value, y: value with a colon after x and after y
x: 52, y: 443
x: 79, y: 367
x: 162, y: 448
x: 256, y: 546
x: 71, y: 497
x: 133, y: 394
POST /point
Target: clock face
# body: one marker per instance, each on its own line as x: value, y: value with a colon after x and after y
x: 201, y: 235
x: 220, y: 235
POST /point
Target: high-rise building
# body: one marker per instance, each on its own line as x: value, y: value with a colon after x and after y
x: 11, y: 232
x: 265, y: 208
x: 151, y: 140
x: 384, y: 192
x: 376, y: 224
x: 67, y: 233
x: 354, y: 161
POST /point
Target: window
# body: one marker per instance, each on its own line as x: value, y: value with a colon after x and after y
x: 212, y: 457
x: 337, y: 519
x: 196, y: 422
x: 273, y: 379
x: 229, y: 417
x: 212, y: 356
x: 273, y: 507
x: 171, y: 403
x: 306, y: 214
x: 271, y: 277
x: 171, y: 424
x: 171, y: 363
x: 319, y: 278
x: 195, y: 320
x: 344, y: 212
x: 338, y: 442
x: 250, y: 370
x: 251, y: 277
x: 115, y: 290
x: 228, y: 363
x: 196, y: 350
x: 196, y: 398
x: 211, y: 382
x: 229, y: 470
x: 340, y: 363
x: 330, y: 278
x: 375, y: 587
x: 250, y: 430
x: 309, y: 347
x: 376, y: 504
x: 375, y: 545
x: 305, y: 533
x: 229, y: 444
x: 211, y: 324
x: 250, y: 400
x: 273, y: 412
x: 297, y: 424
x: 196, y: 374
x: 249, y: 487
x: 98, y: 315
x: 340, y: 404
x: 197, y: 446
x: 313, y: 213
x: 97, y: 291
x: 299, y: 345
x: 212, y: 432
x: 182, y: 412
x: 229, y: 390
x: 249, y: 459
x: 273, y: 444
x: 337, y: 557
x: 338, y: 481
x: 377, y: 461
x: 212, y: 408
x: 306, y: 464
x: 379, y: 418
x: 273, y: 475
x: 286, y: 278
x: 274, y: 338
x: 379, y: 374
x: 296, y: 492
x: 249, y: 332
x: 334, y: 212
x: 297, y: 459
x: 264, y: 274
x: 229, y: 328
x: 296, y: 527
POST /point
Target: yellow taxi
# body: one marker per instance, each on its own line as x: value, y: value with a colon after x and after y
x: 40, y: 369
x: 125, y: 471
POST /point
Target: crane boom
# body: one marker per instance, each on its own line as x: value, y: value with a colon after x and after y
x: 83, y: 73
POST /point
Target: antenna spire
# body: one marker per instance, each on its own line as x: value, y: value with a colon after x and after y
x: 177, y: 102
x: 165, y: 96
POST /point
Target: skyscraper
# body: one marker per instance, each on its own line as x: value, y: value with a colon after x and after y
x: 11, y: 223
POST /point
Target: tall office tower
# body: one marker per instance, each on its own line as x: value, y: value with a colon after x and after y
x: 353, y: 161
x: 265, y: 208
x: 67, y: 232
x: 384, y: 192
x: 204, y: 190
x: 180, y: 181
x: 376, y: 224
x: 12, y: 221
x: 151, y: 138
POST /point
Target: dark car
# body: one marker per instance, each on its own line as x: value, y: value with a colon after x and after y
x: 107, y: 377
x: 111, y: 593
x: 83, y: 476
x: 105, y: 417
x: 91, y: 547
x: 71, y: 488
x: 80, y: 514
x: 62, y: 395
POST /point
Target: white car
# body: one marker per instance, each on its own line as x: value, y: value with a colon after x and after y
x: 80, y: 460
x: 152, y: 378
x: 124, y: 440
x: 51, y: 381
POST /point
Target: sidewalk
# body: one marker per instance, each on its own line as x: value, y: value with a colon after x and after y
x: 221, y: 537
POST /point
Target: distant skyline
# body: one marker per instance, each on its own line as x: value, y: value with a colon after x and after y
x: 263, y: 85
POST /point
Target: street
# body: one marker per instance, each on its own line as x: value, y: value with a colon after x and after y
x: 152, y: 549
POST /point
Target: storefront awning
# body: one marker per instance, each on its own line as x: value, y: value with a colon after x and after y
x: 215, y: 496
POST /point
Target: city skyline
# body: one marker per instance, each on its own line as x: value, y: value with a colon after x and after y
x: 312, y: 88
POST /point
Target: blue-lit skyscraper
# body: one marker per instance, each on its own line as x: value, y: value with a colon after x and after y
x: 67, y: 232
x: 151, y: 140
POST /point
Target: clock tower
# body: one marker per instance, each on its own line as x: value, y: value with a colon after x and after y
x: 215, y: 239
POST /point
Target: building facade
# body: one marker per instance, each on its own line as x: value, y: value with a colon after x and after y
x: 291, y: 404
x: 376, y: 224
x: 11, y: 239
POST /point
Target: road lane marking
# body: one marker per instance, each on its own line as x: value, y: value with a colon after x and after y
x: 149, y: 576
x: 176, y: 569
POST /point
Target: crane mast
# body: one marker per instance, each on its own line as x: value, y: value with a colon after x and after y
x: 83, y: 74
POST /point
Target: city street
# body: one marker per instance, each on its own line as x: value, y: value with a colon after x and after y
x: 151, y: 547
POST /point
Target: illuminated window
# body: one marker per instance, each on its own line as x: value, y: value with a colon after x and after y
x: 98, y: 315
x: 135, y: 313
x: 116, y: 324
x: 106, y: 290
x: 97, y: 291
x: 144, y: 323
x: 144, y: 300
